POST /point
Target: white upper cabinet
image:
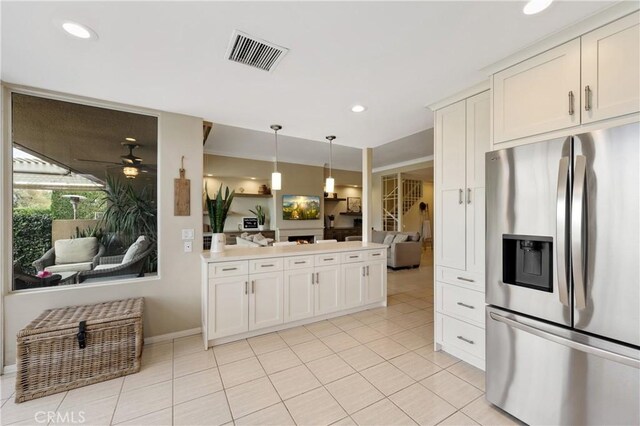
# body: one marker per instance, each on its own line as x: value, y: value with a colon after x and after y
x: 611, y: 70
x: 450, y: 127
x: 538, y: 95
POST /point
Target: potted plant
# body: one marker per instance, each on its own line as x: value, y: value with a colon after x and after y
x: 218, y: 208
x: 261, y: 215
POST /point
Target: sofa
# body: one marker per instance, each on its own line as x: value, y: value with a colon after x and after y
x: 405, y: 248
x: 76, y: 254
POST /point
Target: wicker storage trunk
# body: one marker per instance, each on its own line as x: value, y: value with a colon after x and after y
x: 50, y: 358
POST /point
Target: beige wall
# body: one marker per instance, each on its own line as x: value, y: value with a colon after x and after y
x: 412, y: 219
x: 297, y: 179
x: 172, y: 299
x: 62, y: 229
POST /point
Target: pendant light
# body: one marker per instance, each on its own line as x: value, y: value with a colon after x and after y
x: 276, y: 177
x: 330, y: 184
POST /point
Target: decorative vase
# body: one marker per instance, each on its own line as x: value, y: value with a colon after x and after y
x: 218, y: 242
x: 260, y: 227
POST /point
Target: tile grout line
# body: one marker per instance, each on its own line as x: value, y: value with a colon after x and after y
x: 113, y: 415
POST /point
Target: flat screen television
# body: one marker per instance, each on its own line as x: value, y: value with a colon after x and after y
x: 300, y: 207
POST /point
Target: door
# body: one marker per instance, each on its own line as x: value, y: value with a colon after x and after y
x: 353, y: 279
x: 610, y: 70
x: 327, y: 289
x: 450, y: 185
x: 298, y: 294
x: 604, y: 241
x: 478, y: 140
x: 538, y: 95
x: 228, y: 306
x: 266, y: 300
x: 375, y: 283
x: 526, y: 194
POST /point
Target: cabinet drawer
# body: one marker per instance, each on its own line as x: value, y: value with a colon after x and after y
x: 352, y: 256
x: 298, y: 262
x: 265, y: 265
x: 472, y: 280
x: 228, y: 269
x: 463, y: 336
x: 461, y: 302
x: 327, y: 259
x: 376, y: 254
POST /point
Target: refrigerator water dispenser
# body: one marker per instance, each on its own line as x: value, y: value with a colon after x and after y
x: 527, y: 261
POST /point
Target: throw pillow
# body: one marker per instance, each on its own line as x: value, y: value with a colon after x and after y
x: 388, y: 239
x: 400, y: 238
x: 135, y: 249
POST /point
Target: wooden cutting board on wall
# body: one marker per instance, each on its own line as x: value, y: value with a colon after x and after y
x: 182, y: 194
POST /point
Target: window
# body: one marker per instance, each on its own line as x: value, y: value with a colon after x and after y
x: 84, y: 193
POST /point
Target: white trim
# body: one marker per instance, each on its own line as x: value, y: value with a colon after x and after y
x: 170, y: 336
x: 403, y: 164
x: 588, y: 24
x: 267, y: 158
x: 9, y: 369
x: 463, y: 94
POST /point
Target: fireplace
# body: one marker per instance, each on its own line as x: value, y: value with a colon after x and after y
x: 302, y: 239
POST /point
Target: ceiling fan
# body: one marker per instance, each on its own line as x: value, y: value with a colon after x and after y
x: 130, y: 163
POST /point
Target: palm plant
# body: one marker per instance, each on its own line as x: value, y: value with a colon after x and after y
x: 260, y: 214
x: 218, y: 208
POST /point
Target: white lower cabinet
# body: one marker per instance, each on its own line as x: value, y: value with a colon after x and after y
x: 298, y: 294
x: 266, y: 298
x: 242, y: 297
x: 228, y: 306
x: 353, y: 278
x: 327, y: 290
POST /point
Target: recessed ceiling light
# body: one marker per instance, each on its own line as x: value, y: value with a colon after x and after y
x: 130, y: 139
x: 536, y: 6
x: 78, y: 30
x: 358, y: 108
x: 253, y: 178
x: 209, y: 174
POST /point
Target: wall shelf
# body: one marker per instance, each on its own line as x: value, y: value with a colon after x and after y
x: 351, y: 213
x: 334, y: 199
x: 245, y: 195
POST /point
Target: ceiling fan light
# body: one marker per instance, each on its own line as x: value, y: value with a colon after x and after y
x: 130, y: 172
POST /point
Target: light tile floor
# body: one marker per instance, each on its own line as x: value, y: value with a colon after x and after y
x: 371, y: 368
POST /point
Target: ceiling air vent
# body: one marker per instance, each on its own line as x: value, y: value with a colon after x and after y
x: 254, y: 52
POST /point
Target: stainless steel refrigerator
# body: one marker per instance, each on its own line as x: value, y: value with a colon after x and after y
x: 563, y: 279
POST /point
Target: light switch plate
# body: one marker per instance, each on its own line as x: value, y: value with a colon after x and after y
x: 188, y: 246
x: 187, y: 234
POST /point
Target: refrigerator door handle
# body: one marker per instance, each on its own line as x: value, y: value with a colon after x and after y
x: 561, y: 231
x: 611, y: 356
x: 578, y: 230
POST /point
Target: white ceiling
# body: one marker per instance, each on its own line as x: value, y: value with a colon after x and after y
x: 394, y: 57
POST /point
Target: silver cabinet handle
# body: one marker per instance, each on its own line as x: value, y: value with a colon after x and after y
x: 466, y: 306
x: 327, y: 259
x: 363, y: 271
x: 353, y: 257
x: 317, y: 277
x: 270, y: 265
x: 300, y: 262
x: 561, y: 230
x: 571, y: 110
x: 460, y: 192
x: 578, y: 230
x: 375, y: 254
x: 367, y: 270
x: 469, y: 280
x: 587, y: 98
x: 253, y: 286
x: 465, y: 340
x: 229, y: 269
x: 246, y: 287
x: 622, y: 359
x: 468, y: 195
x: 313, y: 278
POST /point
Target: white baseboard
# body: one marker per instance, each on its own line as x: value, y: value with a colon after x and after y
x: 171, y: 336
x: 9, y: 369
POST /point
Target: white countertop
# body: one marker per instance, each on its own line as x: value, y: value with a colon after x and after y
x: 245, y: 253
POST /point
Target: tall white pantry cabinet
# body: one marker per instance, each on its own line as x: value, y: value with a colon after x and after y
x: 462, y: 137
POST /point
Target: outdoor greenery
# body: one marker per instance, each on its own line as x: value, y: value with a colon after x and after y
x: 128, y: 214
x: 31, y: 198
x: 61, y: 207
x: 218, y: 208
x: 31, y: 235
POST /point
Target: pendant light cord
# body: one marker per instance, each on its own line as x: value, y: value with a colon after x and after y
x: 330, y: 158
x: 276, y: 165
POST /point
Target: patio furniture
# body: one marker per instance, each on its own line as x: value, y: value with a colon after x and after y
x: 75, y: 254
x: 22, y: 280
x: 130, y: 263
x: 69, y: 277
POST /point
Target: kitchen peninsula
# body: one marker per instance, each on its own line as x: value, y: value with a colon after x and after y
x: 248, y: 291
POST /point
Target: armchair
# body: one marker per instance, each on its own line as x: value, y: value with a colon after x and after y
x: 113, y: 266
x: 76, y: 254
